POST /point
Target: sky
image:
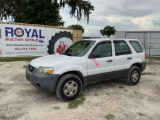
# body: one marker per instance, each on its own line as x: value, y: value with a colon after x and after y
x: 124, y: 15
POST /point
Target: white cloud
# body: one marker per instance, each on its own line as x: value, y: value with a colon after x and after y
x: 122, y: 14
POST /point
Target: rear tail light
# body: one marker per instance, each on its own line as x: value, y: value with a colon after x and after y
x: 145, y: 56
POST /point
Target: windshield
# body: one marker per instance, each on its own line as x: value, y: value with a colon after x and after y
x: 79, y: 48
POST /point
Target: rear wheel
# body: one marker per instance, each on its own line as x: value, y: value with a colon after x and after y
x: 133, y: 76
x: 69, y: 87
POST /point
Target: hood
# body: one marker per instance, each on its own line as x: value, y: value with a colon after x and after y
x: 51, y: 60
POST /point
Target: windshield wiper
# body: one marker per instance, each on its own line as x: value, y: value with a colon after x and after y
x: 68, y: 54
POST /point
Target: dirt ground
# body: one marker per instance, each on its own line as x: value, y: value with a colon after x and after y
x: 19, y: 100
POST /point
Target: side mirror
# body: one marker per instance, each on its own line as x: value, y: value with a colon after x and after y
x: 94, y: 55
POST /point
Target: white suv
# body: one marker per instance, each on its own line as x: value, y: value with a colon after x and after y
x: 88, y: 62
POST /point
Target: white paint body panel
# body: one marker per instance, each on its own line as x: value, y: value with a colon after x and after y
x: 63, y: 63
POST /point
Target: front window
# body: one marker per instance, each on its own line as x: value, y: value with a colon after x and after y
x: 79, y: 48
x: 103, y: 49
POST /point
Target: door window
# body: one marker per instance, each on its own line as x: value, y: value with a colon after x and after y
x: 103, y: 49
x: 121, y: 48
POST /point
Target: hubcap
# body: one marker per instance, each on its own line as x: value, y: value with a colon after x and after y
x: 70, y: 88
x: 135, y: 76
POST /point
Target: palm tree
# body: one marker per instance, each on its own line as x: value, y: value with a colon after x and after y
x: 13, y: 8
x: 78, y: 7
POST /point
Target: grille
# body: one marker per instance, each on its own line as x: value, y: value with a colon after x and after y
x: 31, y: 68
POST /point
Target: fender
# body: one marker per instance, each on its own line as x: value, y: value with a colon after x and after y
x: 136, y: 60
x: 68, y: 68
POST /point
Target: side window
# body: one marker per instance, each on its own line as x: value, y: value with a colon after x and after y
x: 121, y: 48
x: 138, y: 48
x: 103, y: 49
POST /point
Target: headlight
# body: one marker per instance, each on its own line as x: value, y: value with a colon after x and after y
x: 45, y: 70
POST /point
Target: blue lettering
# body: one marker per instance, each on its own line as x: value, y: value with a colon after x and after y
x: 40, y: 34
x: 34, y: 33
x: 27, y: 31
x: 9, y: 30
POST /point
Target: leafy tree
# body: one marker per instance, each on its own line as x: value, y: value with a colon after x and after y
x: 10, y: 8
x: 76, y: 27
x: 31, y: 11
x: 43, y: 11
x: 108, y: 31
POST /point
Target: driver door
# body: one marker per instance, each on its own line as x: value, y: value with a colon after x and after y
x: 101, y: 63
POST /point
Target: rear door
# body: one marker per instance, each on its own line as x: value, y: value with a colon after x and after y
x: 102, y: 67
x: 123, y: 57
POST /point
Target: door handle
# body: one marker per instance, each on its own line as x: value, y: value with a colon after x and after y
x: 129, y: 58
x: 109, y: 60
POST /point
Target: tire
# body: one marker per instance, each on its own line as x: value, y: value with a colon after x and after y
x: 133, y: 76
x: 68, y: 87
x: 56, y: 37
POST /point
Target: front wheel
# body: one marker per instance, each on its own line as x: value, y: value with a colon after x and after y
x: 69, y: 87
x: 133, y: 76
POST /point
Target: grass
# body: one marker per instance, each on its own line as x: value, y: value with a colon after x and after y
x: 109, y: 117
x: 136, y: 92
x: 1, y: 90
x: 56, y: 108
x: 141, y: 114
x: 125, y: 90
x: 24, y: 66
x: 75, y: 103
x: 151, y: 60
x: 8, y: 67
x: 147, y: 73
x: 96, y: 94
x: 154, y: 58
x: 12, y: 59
x: 121, y: 87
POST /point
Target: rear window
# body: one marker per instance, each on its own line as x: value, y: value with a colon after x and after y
x: 136, y: 45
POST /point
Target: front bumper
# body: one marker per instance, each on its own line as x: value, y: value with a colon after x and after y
x: 144, y: 64
x: 41, y: 81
